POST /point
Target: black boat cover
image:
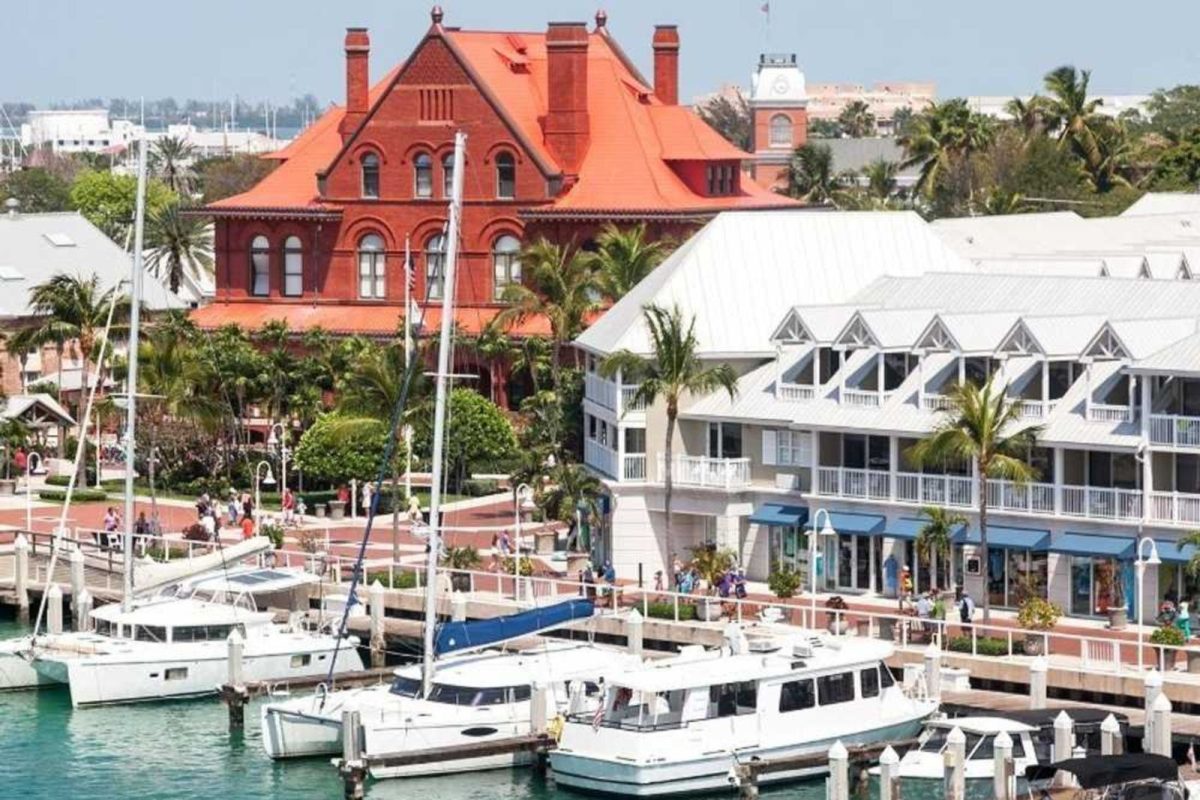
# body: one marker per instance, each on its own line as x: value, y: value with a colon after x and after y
x: 1100, y: 771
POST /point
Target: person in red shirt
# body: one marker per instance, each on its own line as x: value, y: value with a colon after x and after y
x: 247, y: 527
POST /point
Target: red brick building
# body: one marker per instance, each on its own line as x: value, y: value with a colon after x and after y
x: 563, y: 135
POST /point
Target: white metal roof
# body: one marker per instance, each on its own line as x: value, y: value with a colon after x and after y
x: 1088, y: 267
x: 1164, y: 203
x: 1180, y: 358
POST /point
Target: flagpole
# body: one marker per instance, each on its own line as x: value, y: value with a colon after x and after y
x: 408, y: 323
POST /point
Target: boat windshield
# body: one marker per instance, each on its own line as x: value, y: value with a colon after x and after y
x: 936, y: 743
x: 406, y: 687
x: 461, y: 695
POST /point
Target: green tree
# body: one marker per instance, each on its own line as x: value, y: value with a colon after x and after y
x: 810, y: 174
x: 109, y: 200
x: 571, y: 487
x: 729, y: 117
x: 824, y: 129
x: 935, y: 537
x: 178, y: 245
x: 170, y: 158
x: 881, y: 178
x: 856, y: 120
x: 1033, y: 117
x: 1068, y: 103
x: 1177, y: 168
x: 624, y: 257
x: 981, y: 425
x: 37, y: 189
x: 942, y: 136
x: 1174, y: 112
x: 226, y: 176
x: 902, y: 120
x: 673, y: 369
x: 334, y: 453
x: 478, y: 435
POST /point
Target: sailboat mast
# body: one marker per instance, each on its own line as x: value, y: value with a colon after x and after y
x: 132, y: 379
x: 439, y: 412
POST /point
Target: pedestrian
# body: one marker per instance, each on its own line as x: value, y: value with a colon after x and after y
x: 210, y: 526
x: 658, y: 580
x: 739, y: 584
x: 247, y: 527
x: 906, y: 586
x: 505, y: 544
x: 609, y: 574
x: 21, y: 460
x: 232, y: 507
x: 110, y: 527
x: 368, y: 491
x: 414, y: 509
x: 966, y: 610
x: 288, y: 503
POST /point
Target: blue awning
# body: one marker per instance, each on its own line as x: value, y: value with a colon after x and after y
x: 1174, y: 553
x: 1007, y: 536
x: 846, y: 522
x: 776, y: 514
x: 1094, y: 544
x: 910, y: 528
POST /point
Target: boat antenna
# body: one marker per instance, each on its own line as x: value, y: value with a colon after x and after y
x: 439, y: 415
x: 131, y: 381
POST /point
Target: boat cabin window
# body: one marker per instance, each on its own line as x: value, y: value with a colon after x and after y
x: 869, y: 678
x: 797, y: 695
x: 732, y: 699
x: 474, y: 696
x: 150, y: 633
x: 202, y: 633
x: 106, y: 628
x: 935, y: 741
x: 406, y: 687
x: 837, y: 688
x: 1018, y: 743
x: 885, y: 676
x: 520, y: 694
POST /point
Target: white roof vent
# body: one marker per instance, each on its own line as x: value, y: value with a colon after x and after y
x: 10, y: 274
x: 59, y: 240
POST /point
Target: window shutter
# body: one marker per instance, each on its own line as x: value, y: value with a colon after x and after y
x: 769, y: 457
x: 804, y: 447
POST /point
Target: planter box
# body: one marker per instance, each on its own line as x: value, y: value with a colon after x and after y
x: 708, y: 610
x: 576, y: 562
x: 1034, y: 645
x: 460, y: 581
x: 337, y: 510
x: 321, y: 510
x: 8, y: 488
x: 1118, y: 618
x: 544, y: 542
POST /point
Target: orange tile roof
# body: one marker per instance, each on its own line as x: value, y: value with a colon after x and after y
x: 626, y: 168
x: 363, y: 319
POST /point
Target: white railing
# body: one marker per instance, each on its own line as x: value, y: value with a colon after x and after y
x: 1175, y: 430
x: 866, y: 484
x: 635, y: 467
x: 1036, y: 409
x: 939, y: 490
x: 600, y: 457
x: 796, y: 392
x: 600, y: 390
x: 1101, y: 503
x: 935, y: 402
x: 1176, y: 507
x: 1010, y: 496
x: 1099, y: 412
x: 860, y: 398
x: 722, y: 473
x: 628, y: 396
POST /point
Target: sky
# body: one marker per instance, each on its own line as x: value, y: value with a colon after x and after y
x: 279, y: 49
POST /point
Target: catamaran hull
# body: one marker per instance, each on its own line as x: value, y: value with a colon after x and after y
x: 16, y: 672
x: 103, y: 680
x: 707, y: 773
x: 295, y: 733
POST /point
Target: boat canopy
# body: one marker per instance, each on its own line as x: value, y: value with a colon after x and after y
x: 984, y: 726
x: 1097, y: 772
x: 454, y: 636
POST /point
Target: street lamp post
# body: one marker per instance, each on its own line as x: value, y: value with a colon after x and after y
x: 1142, y: 561
x: 269, y: 480
x: 523, y: 502
x: 281, y: 442
x: 826, y: 530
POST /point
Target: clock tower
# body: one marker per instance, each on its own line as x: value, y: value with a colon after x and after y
x: 779, y: 110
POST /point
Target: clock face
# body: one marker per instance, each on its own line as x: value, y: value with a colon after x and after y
x: 780, y: 85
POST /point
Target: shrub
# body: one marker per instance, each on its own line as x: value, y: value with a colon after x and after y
x: 314, y: 499
x: 462, y: 558
x: 273, y: 532
x: 58, y: 480
x: 661, y: 610
x: 1168, y: 635
x: 1038, y: 614
x: 78, y: 496
x: 480, y: 487
x: 984, y: 645
x: 784, y: 582
x: 160, y: 552
x: 506, y: 565
x: 338, y: 448
x: 479, y: 434
x: 401, y: 580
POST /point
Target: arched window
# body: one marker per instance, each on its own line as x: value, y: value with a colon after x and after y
x: 435, y: 265
x: 370, y: 175
x: 423, y: 175
x: 506, y: 176
x: 506, y: 264
x: 260, y: 266
x: 293, y: 267
x: 372, y: 267
x: 447, y: 175
x: 781, y: 131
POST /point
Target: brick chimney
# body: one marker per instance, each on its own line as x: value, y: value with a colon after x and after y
x: 358, y: 50
x: 567, y: 128
x: 666, y: 64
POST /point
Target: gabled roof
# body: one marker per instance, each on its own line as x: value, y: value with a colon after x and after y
x: 978, y: 333
x: 1181, y: 358
x: 887, y: 330
x: 27, y: 407
x: 1164, y: 203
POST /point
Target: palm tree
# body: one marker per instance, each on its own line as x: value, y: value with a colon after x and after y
x: 168, y: 160
x: 881, y: 178
x: 934, y: 540
x: 999, y: 201
x: 810, y: 174
x: 856, y: 120
x: 178, y: 245
x: 571, y: 487
x: 76, y: 308
x: 1070, y: 105
x: 1033, y: 116
x: 980, y: 425
x: 673, y: 370
x: 623, y: 257
x: 1113, y: 153
x: 943, y: 134
x: 22, y: 344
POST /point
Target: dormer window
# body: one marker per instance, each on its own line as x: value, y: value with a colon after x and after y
x: 720, y: 179
x: 370, y: 176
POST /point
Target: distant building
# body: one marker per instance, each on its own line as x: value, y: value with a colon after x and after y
x: 1111, y: 105
x: 827, y: 101
x: 779, y: 112
x: 855, y: 155
x: 78, y: 131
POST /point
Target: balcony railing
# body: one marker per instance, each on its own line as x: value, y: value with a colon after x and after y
x: 1175, y: 430
x: 860, y: 398
x: 628, y: 404
x: 600, y: 391
x: 635, y: 467
x: 796, y: 392
x: 936, y: 490
x: 1036, y: 498
x: 719, y: 473
x: 863, y: 484
x: 1101, y: 503
x: 1100, y: 412
x: 1036, y: 409
x: 1176, y: 507
x: 935, y: 402
x: 599, y: 457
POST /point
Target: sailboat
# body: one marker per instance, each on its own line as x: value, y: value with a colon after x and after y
x: 172, y: 644
x: 468, y: 698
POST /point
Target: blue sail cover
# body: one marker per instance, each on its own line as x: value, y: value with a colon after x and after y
x: 452, y: 636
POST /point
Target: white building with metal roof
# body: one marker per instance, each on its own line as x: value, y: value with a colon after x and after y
x: 847, y: 331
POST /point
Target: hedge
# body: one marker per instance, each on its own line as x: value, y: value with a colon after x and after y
x: 664, y: 610
x: 984, y: 645
x: 480, y: 487
x: 78, y: 496
x: 400, y: 580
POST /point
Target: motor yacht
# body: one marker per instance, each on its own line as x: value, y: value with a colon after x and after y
x: 927, y: 761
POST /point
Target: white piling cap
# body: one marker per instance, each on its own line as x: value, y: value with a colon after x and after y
x: 54, y: 593
x: 1038, y: 665
x: 21, y: 543
x: 1063, y: 720
x: 956, y: 736
x: 76, y: 554
x: 888, y: 756
x: 1161, y: 703
x: 375, y: 588
x: 235, y: 636
x: 1110, y: 725
x: 1153, y: 678
x: 84, y: 596
x: 1003, y: 740
x: 838, y: 752
x: 933, y: 651
x: 634, y: 617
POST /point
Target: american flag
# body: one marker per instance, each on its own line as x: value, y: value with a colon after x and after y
x: 599, y: 715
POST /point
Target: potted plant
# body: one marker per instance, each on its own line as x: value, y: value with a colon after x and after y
x: 460, y: 560
x: 273, y: 532
x: 711, y: 564
x: 1164, y: 637
x: 784, y: 582
x: 835, y: 608
x: 1037, y: 614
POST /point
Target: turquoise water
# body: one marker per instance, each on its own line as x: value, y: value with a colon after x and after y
x: 184, y: 750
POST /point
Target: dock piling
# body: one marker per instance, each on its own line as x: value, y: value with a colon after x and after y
x: 54, y: 609
x: 1037, y: 683
x: 21, y: 576
x: 1003, y: 783
x: 1161, y: 736
x: 1064, y: 736
x: 955, y: 756
x: 234, y: 692
x: 933, y: 671
x: 351, y: 767
x: 1110, y: 736
x: 634, y: 628
x: 458, y: 607
x: 1151, y: 689
x: 744, y: 778
x: 839, y: 772
x: 378, y: 643
x: 78, y: 579
x: 538, y: 705
x: 889, y: 774
x: 82, y: 609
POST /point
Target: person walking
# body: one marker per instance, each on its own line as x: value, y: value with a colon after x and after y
x: 232, y: 507
x: 966, y: 611
x: 288, y: 503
